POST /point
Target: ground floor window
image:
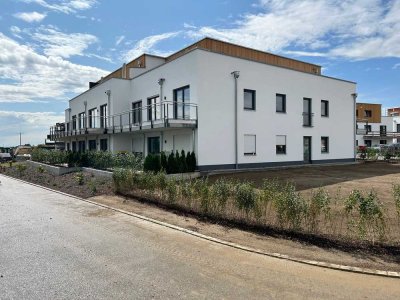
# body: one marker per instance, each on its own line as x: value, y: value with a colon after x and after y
x: 92, y: 145
x: 73, y: 146
x: 324, y: 144
x: 249, y: 144
x: 103, y: 145
x: 383, y: 142
x: 153, y: 145
x: 281, y: 144
x: 68, y: 147
x: 81, y: 146
x: 368, y: 143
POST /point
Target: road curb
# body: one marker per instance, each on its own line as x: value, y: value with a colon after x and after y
x: 322, y: 264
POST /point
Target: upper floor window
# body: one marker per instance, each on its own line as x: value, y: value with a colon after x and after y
x: 368, y: 128
x: 281, y: 144
x: 137, y: 112
x: 368, y: 113
x: 249, y: 99
x: 182, y: 103
x: 324, y: 108
x: 92, y: 118
x: 73, y: 122
x: 82, y: 120
x: 103, y: 116
x: 280, y: 103
x: 153, y: 108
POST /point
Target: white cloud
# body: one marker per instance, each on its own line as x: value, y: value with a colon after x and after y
x: 30, y: 16
x: 15, y: 30
x: 65, y: 6
x: 396, y: 66
x: 33, y: 125
x: 26, y: 76
x: 147, y: 44
x: 358, y: 29
x: 119, y: 39
x: 56, y: 43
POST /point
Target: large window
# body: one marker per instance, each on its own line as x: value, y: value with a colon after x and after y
x: 92, y: 145
x: 182, y: 103
x: 103, y: 116
x: 249, y: 99
x: 324, y: 108
x: 82, y: 120
x: 137, y: 112
x: 307, y: 113
x: 153, y: 108
x: 382, y: 130
x: 92, y: 118
x: 81, y: 146
x: 281, y: 144
x: 103, y: 145
x: 153, y: 145
x: 280, y: 103
x: 324, y: 144
x: 249, y: 144
x: 73, y: 122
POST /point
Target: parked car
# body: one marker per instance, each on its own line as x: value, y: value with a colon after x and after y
x: 5, y: 157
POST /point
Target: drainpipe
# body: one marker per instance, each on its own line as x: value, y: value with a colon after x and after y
x: 161, y: 82
x: 354, y: 95
x: 108, y: 93
x: 236, y: 76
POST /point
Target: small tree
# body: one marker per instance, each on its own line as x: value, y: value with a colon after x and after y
x: 171, y: 165
x: 163, y: 161
x: 182, y: 163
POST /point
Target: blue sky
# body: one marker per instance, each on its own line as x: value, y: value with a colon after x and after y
x: 51, y: 49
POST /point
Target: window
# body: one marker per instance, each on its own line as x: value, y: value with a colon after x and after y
x: 92, y: 118
x: 368, y: 143
x: 383, y: 142
x: 153, y: 109
x: 137, y: 112
x: 81, y: 146
x: 280, y: 103
x: 182, y: 103
x: 357, y: 113
x: 367, y: 113
x: 73, y: 122
x: 68, y: 147
x: 82, y: 120
x: 324, y: 108
x: 92, y: 145
x: 103, y: 116
x: 281, y: 144
x: 324, y: 144
x: 307, y: 114
x: 103, y: 145
x: 73, y: 146
x: 249, y: 144
x: 153, y: 145
x: 382, y: 130
x: 398, y: 127
x: 250, y: 99
x: 367, y: 128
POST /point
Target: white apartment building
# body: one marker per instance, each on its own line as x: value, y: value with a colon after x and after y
x: 233, y: 106
x: 375, y: 129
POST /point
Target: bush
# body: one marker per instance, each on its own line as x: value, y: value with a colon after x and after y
x: 21, y: 168
x: 245, y: 196
x: 171, y: 164
x: 80, y: 179
x: 319, y: 204
x: 396, y: 196
x: 220, y: 192
x: 152, y: 163
x: 366, y: 214
x: 163, y: 161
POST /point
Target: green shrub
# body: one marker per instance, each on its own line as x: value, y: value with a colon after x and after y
x: 182, y: 163
x: 171, y: 190
x: 21, y: 168
x: 220, y: 192
x: 163, y: 161
x: 40, y: 169
x: 366, y: 214
x: 80, y: 179
x: 152, y: 163
x: 93, y: 187
x: 319, y: 204
x: 396, y: 196
x: 171, y: 164
x: 245, y: 196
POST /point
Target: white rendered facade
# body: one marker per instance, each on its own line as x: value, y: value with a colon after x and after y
x: 262, y: 136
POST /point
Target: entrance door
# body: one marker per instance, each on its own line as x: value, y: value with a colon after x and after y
x: 307, y: 149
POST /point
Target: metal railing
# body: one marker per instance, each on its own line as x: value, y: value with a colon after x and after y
x: 381, y: 134
x: 307, y: 119
x: 157, y: 115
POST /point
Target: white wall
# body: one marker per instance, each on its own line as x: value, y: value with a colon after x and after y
x: 216, y: 112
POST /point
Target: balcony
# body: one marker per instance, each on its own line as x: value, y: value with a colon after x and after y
x: 154, y: 116
x: 379, y: 134
x: 307, y: 119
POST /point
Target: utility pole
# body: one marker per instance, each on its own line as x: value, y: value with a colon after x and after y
x: 20, y: 139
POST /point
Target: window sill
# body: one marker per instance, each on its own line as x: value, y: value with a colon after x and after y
x: 325, y: 152
x: 280, y: 153
x: 281, y: 112
x: 249, y: 109
x: 250, y: 154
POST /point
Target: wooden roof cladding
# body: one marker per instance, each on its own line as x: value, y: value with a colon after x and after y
x: 248, y: 53
x: 375, y: 109
x: 139, y: 62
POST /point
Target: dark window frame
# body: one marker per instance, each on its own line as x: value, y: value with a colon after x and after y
x: 103, y: 115
x: 325, y: 112
x: 177, y: 104
x: 368, y: 113
x: 92, y: 143
x: 149, y: 144
x: 283, y: 103
x: 253, y: 99
x: 103, y: 142
x: 92, y: 119
x: 326, y: 139
x: 137, y: 112
x: 152, y: 108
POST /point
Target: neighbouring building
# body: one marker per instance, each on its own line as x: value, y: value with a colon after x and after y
x: 375, y: 129
x: 393, y: 112
x: 235, y: 107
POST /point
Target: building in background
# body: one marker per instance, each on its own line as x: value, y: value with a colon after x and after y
x: 235, y: 107
x: 375, y: 128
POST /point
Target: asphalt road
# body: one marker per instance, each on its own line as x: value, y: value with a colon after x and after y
x: 57, y: 247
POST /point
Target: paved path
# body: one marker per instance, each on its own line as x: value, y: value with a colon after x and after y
x: 57, y: 247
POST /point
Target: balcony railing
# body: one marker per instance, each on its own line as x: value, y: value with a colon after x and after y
x: 388, y: 134
x: 307, y: 119
x: 158, y: 115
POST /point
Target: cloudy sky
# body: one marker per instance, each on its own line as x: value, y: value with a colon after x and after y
x: 51, y: 49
